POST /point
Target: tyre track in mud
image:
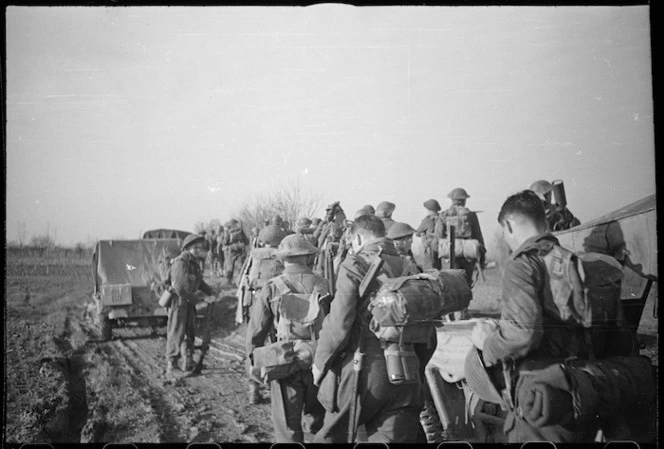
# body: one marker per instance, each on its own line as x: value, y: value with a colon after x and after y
x: 209, y: 407
x: 105, y: 375
x: 70, y: 420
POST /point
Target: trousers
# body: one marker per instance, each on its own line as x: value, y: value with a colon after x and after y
x: 181, y: 328
x: 390, y: 413
x: 296, y: 413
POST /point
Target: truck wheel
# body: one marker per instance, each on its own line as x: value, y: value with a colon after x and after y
x: 105, y: 329
x: 431, y: 422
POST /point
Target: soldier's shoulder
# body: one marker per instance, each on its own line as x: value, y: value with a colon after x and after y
x: 355, y: 264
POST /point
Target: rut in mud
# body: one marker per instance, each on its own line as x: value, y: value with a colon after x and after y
x: 117, y: 391
x: 210, y: 407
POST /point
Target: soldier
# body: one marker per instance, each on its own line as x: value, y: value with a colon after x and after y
x: 277, y: 221
x: 287, y: 229
x: 369, y: 209
x: 261, y: 266
x: 206, y: 248
x: 365, y: 210
x: 212, y: 253
x: 384, y: 211
x: 187, y: 281
x: 329, y: 233
x: 469, y: 243
x: 296, y: 413
x: 303, y: 227
x: 222, y: 235
x: 427, y: 232
x: 235, y: 242
x: 528, y: 329
x: 253, y: 238
x: 558, y: 216
x: 390, y: 413
x: 402, y: 236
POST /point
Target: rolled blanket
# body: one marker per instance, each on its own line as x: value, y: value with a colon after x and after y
x: 619, y: 382
x: 561, y: 396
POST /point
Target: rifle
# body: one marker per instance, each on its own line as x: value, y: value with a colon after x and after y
x: 358, y: 357
x: 329, y: 269
x: 241, y: 315
x: 207, y: 338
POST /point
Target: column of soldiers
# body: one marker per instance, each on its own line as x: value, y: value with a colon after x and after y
x: 321, y: 396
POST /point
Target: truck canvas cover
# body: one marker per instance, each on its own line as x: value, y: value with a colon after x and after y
x: 165, y: 234
x: 129, y: 262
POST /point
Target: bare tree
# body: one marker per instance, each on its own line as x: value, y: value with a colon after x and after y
x: 290, y: 201
x: 45, y: 242
x: 199, y: 227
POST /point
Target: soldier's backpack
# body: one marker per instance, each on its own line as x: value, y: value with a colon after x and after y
x: 301, y: 314
x: 300, y: 318
x: 584, y: 290
x: 460, y: 217
x: 263, y: 268
x: 403, y: 308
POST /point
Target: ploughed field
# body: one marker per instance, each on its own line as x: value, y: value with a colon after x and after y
x: 64, y: 385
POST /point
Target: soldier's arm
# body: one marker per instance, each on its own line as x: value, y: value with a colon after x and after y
x: 339, y: 322
x: 180, y: 281
x: 440, y: 230
x: 520, y: 327
x: 422, y: 229
x: 205, y: 288
x: 477, y: 231
x: 260, y: 319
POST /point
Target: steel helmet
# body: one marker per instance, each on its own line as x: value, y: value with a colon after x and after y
x: 541, y: 187
x: 271, y: 235
x: 385, y: 209
x: 432, y: 205
x: 400, y: 230
x: 303, y: 222
x: 458, y: 194
x: 295, y: 245
x: 191, y: 239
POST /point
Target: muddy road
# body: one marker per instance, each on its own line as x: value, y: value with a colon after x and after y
x: 65, y: 385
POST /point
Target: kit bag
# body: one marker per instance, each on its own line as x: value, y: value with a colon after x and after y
x: 584, y: 290
x: 404, y: 308
x: 300, y: 318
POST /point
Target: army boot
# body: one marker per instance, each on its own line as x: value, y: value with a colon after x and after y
x: 172, y: 367
x: 254, y: 393
x: 188, y: 362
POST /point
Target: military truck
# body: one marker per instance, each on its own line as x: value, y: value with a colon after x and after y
x: 627, y: 234
x: 126, y: 283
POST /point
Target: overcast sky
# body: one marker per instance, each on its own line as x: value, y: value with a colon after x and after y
x: 123, y: 119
